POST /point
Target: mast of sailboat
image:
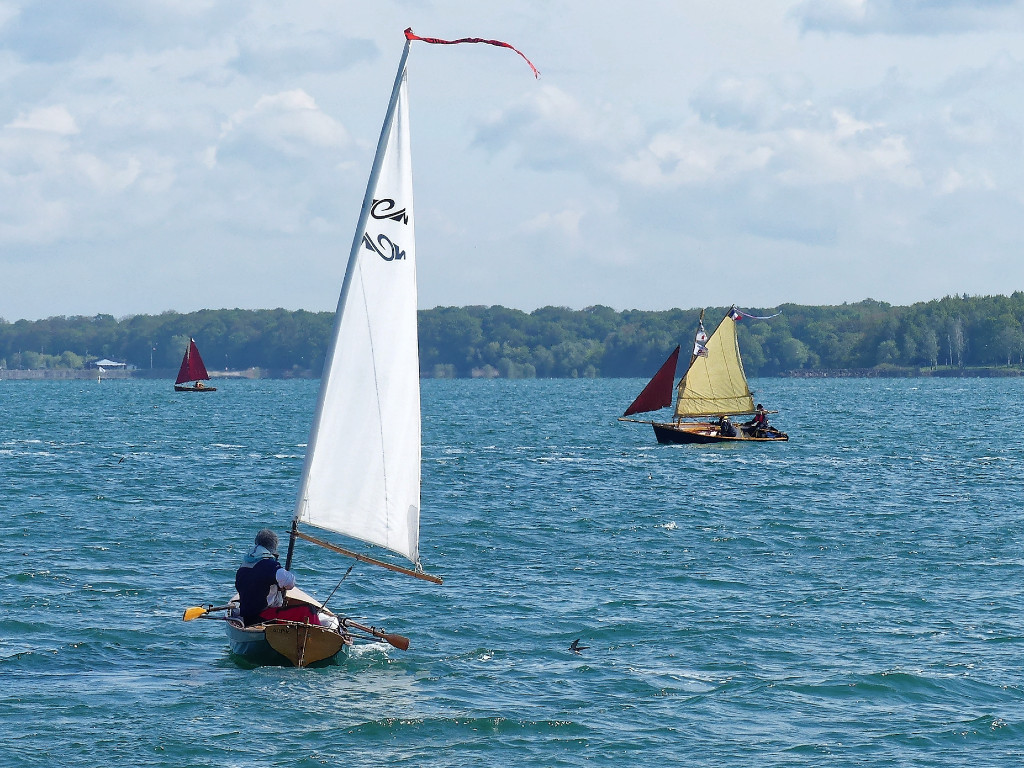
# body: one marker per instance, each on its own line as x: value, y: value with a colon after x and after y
x: 700, y: 328
x: 357, y: 240
x: 693, y: 357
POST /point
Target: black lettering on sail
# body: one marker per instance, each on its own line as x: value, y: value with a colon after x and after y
x: 383, y: 247
x: 383, y: 209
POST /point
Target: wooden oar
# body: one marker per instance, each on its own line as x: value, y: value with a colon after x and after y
x: 198, y: 611
x: 398, y: 641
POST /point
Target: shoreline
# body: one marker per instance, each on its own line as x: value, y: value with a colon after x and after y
x: 71, y: 374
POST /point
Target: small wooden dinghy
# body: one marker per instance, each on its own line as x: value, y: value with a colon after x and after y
x: 294, y: 643
x: 289, y: 642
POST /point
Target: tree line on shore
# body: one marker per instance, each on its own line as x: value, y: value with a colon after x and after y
x: 953, y: 333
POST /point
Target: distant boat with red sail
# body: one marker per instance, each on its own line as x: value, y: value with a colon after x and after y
x: 712, y: 391
x: 192, y: 373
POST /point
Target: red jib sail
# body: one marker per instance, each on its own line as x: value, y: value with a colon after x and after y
x: 658, y: 392
x: 192, y: 368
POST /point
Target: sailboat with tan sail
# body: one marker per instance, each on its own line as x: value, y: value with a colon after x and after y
x: 713, y: 390
x: 361, y: 476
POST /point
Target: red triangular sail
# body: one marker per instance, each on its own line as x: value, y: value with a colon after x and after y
x: 192, y: 368
x: 658, y: 392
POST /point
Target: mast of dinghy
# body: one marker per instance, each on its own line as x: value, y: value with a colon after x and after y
x: 291, y: 544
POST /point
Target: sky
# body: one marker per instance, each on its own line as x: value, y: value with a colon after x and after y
x: 175, y: 155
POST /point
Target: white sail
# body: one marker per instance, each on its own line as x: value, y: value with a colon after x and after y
x: 362, y: 472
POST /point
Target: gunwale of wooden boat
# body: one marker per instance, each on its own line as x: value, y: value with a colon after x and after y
x: 706, y: 432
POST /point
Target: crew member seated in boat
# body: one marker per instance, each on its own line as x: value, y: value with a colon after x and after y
x: 760, y: 421
x: 261, y: 582
x: 726, y: 428
x: 760, y: 417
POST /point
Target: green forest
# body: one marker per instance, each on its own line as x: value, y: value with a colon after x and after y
x: 949, y: 336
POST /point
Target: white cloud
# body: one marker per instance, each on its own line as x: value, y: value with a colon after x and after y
x: 778, y: 141
x: 54, y: 119
x: 105, y: 177
x: 751, y: 103
x: 54, y: 189
x: 550, y: 128
x: 289, y: 123
x: 280, y: 57
x: 693, y: 157
x: 8, y: 11
x: 907, y: 17
x: 564, y: 222
x: 847, y: 126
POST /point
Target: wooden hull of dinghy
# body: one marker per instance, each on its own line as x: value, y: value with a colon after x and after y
x: 286, y: 643
x: 183, y: 388
x: 706, y: 432
x: 304, y: 644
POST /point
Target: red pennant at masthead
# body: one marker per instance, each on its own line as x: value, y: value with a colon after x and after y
x: 410, y: 35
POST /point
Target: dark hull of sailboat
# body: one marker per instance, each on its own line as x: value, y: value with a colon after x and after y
x: 193, y: 388
x: 703, y: 432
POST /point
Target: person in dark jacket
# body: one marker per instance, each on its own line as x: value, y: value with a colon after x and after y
x: 261, y: 583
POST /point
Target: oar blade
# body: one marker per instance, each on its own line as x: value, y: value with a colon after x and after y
x: 199, y: 611
x: 193, y: 613
x: 401, y: 642
x: 398, y: 641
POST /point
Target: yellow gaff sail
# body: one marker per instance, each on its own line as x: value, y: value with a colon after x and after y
x: 715, y: 384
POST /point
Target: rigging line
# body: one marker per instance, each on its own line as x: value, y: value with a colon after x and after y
x: 324, y: 603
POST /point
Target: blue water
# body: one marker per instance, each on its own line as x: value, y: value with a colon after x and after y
x: 852, y: 597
